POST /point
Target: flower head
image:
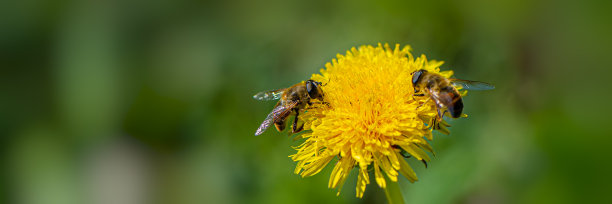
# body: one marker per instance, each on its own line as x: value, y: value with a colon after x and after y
x: 369, y: 118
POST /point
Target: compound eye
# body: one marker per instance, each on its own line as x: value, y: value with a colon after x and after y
x: 417, y: 76
x: 311, y: 87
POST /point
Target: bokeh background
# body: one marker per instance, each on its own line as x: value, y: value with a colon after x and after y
x: 150, y: 101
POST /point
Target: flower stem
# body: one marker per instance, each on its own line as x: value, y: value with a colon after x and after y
x: 393, y: 192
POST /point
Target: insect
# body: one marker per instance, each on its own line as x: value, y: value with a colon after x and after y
x: 292, y: 99
x: 443, y: 91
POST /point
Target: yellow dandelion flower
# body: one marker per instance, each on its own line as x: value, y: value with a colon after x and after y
x: 369, y: 118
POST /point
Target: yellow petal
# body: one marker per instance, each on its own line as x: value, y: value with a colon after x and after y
x: 380, y: 180
x: 407, y: 171
x: 369, y: 112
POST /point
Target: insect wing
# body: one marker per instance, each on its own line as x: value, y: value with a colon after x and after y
x: 269, y: 95
x: 266, y: 123
x: 277, y: 113
x: 472, y: 85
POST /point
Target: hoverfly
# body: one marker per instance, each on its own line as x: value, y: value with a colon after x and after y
x: 292, y: 99
x: 443, y: 91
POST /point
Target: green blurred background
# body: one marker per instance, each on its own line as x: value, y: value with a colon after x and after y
x: 150, y: 101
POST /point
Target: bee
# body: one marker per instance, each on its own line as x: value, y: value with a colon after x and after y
x: 292, y: 99
x: 443, y: 91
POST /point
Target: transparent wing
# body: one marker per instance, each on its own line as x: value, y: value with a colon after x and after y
x: 277, y: 113
x: 269, y: 95
x: 471, y: 85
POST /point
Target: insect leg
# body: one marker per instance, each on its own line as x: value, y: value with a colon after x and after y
x: 295, y: 121
x: 320, y: 102
x: 423, y: 103
x: 439, y: 114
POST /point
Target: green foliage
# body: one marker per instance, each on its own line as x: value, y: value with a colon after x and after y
x: 150, y: 101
